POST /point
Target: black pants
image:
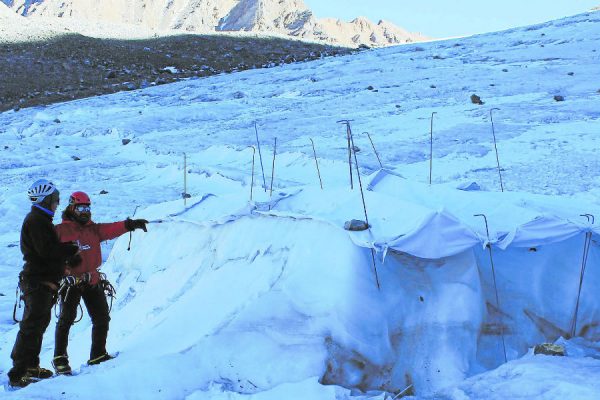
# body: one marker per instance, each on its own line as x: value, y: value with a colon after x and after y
x: 97, y: 307
x: 39, y: 300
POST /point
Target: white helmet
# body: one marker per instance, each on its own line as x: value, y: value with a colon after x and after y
x: 38, y: 191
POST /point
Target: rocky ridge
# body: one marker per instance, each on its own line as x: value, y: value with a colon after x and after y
x: 52, y: 62
x: 280, y: 17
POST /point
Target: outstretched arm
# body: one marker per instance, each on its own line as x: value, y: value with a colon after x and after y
x: 116, y: 229
x: 110, y: 230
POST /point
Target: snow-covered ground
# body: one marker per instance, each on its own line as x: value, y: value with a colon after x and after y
x: 269, y: 298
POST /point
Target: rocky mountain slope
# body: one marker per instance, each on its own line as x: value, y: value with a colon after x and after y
x: 280, y: 17
x: 52, y: 62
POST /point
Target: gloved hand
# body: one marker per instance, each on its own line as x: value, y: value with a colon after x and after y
x: 74, y: 260
x: 86, y: 277
x: 133, y: 224
x: 69, y: 248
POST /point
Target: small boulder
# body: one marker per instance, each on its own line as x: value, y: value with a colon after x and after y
x: 103, y: 191
x: 75, y: 158
x: 476, y: 99
x: 356, y: 225
x: 559, y: 98
x: 125, y: 141
x: 550, y: 349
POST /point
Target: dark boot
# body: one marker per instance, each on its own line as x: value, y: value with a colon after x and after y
x: 20, y: 382
x: 102, y: 358
x: 38, y: 373
x: 61, y: 365
x: 33, y: 374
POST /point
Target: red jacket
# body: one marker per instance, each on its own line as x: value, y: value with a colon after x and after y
x: 88, y: 237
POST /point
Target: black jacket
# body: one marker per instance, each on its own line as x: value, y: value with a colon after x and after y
x: 43, y: 253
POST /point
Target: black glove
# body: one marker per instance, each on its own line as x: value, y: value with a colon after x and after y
x: 74, y: 261
x: 133, y: 224
x: 86, y: 277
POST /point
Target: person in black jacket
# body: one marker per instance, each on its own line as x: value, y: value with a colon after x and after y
x: 44, y: 267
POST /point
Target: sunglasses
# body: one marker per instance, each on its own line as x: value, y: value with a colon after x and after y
x: 82, y: 208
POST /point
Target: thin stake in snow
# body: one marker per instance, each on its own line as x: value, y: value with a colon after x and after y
x: 496, y: 148
x: 375, y: 150
x: 489, y: 247
x: 348, y: 133
x: 431, y: 147
x: 260, y: 156
x: 586, y: 250
x: 273, y: 168
x: 316, y: 162
x: 184, y: 179
x: 362, y: 195
x: 252, y: 181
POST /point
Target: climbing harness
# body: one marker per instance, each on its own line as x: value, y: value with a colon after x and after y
x: 67, y: 284
x: 108, y: 288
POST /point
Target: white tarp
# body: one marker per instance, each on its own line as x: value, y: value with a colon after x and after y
x: 513, y: 219
x: 542, y: 230
x: 438, y: 235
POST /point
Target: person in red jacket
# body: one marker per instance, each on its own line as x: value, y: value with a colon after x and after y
x: 83, y: 280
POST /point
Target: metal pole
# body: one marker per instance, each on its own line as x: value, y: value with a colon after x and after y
x: 586, y: 249
x: 184, y: 179
x: 358, y: 174
x: 273, y: 168
x: 431, y: 147
x: 375, y: 150
x: 496, y: 148
x: 489, y: 247
x: 316, y: 162
x: 363, y: 202
x: 347, y: 123
x: 260, y: 156
x: 252, y: 181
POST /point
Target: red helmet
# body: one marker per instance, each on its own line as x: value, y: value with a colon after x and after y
x: 79, y: 198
